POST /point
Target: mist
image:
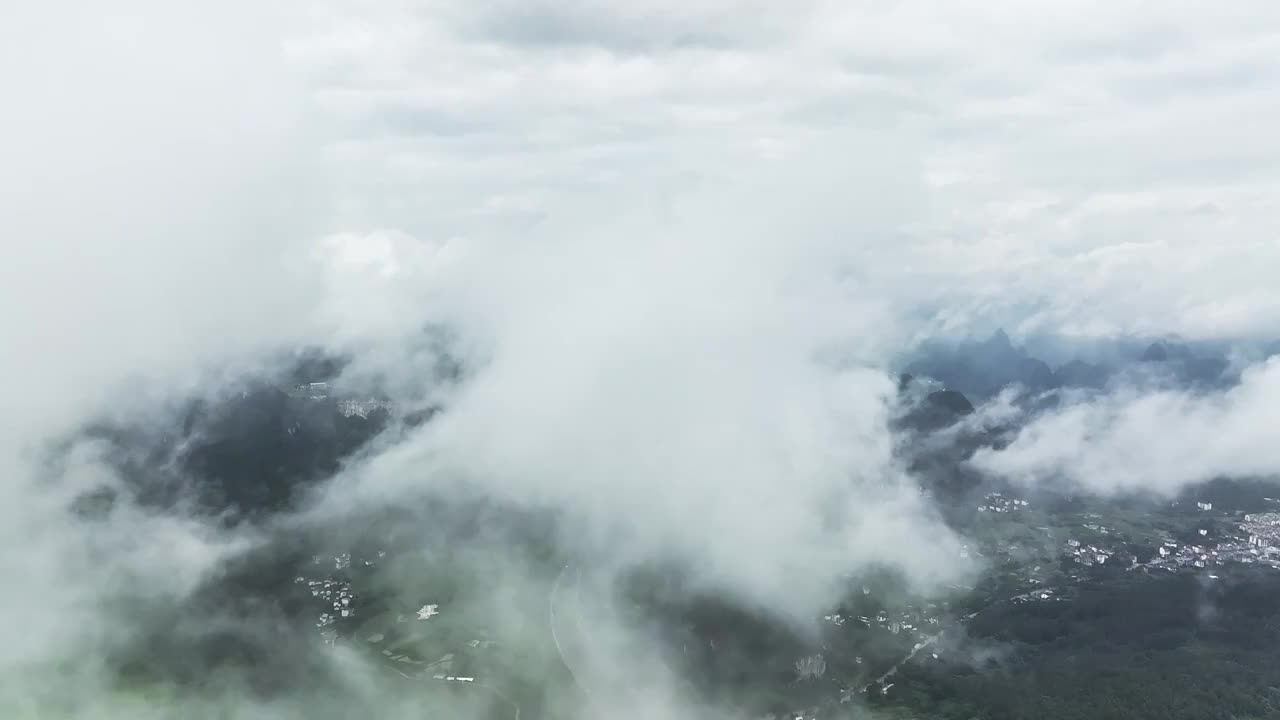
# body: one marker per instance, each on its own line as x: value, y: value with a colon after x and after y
x: 649, y: 272
x: 1142, y: 440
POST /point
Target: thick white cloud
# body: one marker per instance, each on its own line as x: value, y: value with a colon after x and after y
x: 672, y: 391
x: 156, y: 193
x: 1160, y: 442
x: 155, y: 187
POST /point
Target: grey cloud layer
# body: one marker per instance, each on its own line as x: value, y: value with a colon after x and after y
x: 1089, y: 160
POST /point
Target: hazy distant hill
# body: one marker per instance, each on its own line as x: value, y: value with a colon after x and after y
x: 982, y: 369
x: 1080, y: 374
x: 1183, y: 365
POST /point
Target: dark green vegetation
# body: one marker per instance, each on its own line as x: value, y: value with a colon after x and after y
x: 746, y: 658
x: 242, y: 456
x: 258, y: 451
x: 487, y: 623
x: 1114, y: 640
x: 1163, y: 647
x: 235, y: 458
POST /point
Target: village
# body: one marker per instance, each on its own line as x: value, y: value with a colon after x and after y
x: 1254, y: 540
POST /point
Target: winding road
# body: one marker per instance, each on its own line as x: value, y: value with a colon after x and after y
x: 933, y: 639
x: 554, y: 618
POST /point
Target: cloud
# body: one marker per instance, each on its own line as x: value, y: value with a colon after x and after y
x: 656, y: 381
x: 1160, y: 442
x: 156, y: 188
x: 1036, y: 142
x: 669, y: 388
x: 675, y: 247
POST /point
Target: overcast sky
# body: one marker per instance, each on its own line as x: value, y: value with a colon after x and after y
x: 1085, y: 168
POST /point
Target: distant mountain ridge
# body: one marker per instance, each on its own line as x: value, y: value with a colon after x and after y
x: 981, y: 369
